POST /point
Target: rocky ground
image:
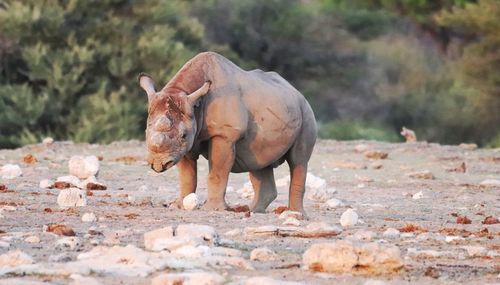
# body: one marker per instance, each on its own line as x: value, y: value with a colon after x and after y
x: 411, y: 213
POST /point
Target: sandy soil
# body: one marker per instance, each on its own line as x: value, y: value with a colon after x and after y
x: 382, y: 197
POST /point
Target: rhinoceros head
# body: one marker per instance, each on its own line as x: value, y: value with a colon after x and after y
x: 171, y: 126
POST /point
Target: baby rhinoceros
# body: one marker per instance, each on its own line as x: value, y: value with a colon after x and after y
x: 241, y: 121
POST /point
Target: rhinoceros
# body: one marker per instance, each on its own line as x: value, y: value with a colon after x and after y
x: 241, y: 121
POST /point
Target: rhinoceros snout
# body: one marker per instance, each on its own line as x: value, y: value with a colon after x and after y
x: 159, y: 167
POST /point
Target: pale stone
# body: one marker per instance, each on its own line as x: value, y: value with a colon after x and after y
x: 48, y: 141
x: 263, y: 254
x: 188, y: 278
x: 190, y: 251
x: 69, y: 243
x: 293, y: 214
x: 246, y: 191
x: 333, y: 203
x: 349, y: 218
x: 468, y: 146
x: 71, y: 197
x: 46, y: 184
x: 173, y: 243
x: 10, y: 171
x: 15, y: 258
x: 428, y: 253
x: 4, y: 244
x: 190, y: 202
x: 233, y: 232
x: 474, y: 251
x: 374, y: 282
x: 225, y: 251
x: 83, y: 167
x: 361, y: 148
x: 154, y: 239
x: 77, y: 279
x: 490, y: 183
x: 71, y: 179
x: 262, y: 280
x: 291, y: 221
x: 391, y: 233
x: 364, y: 235
x: 32, y: 239
x: 345, y: 256
x: 453, y: 238
x: 417, y: 196
x: 227, y: 262
x: 204, y: 232
x: 89, y: 218
x: 61, y: 257
x: 424, y: 174
x: 21, y: 281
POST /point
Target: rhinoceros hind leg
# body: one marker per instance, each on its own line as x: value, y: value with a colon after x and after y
x: 264, y: 187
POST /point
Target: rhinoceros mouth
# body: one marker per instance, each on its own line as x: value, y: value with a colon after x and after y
x: 159, y: 167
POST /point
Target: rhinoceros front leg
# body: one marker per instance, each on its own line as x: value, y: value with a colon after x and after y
x: 188, y: 179
x: 220, y: 160
x: 264, y: 187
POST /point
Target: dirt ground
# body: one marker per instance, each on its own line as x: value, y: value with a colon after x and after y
x: 380, y: 190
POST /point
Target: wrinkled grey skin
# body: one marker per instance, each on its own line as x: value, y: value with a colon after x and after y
x: 241, y: 121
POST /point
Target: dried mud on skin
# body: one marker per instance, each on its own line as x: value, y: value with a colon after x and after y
x: 449, y: 233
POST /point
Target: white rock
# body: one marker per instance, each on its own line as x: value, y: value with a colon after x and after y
x: 68, y: 243
x: 32, y: 239
x: 46, y: 184
x: 225, y: 251
x: 61, y: 257
x: 391, y: 233
x: 89, y: 218
x: 246, y: 191
x: 15, y: 258
x: 453, y: 238
x: 428, y: 253
x: 364, y: 235
x: 174, y: 243
x: 190, y: 202
x: 71, y: 179
x: 349, y: 218
x: 290, y: 214
x: 430, y: 236
x: 345, y: 256
x: 407, y: 235
x: 77, y: 279
x: 474, y: 251
x: 117, y: 260
x: 48, y: 141
x: 263, y: 254
x: 204, y: 232
x: 190, y: 251
x: 233, y: 232
x: 153, y: 240
x: 374, y: 282
x: 4, y: 244
x: 291, y: 221
x: 83, y: 167
x: 332, y: 204
x: 188, y: 278
x: 417, y: 196
x: 362, y: 148
x: 490, y: 183
x: 10, y: 171
x: 261, y: 280
x: 71, y: 197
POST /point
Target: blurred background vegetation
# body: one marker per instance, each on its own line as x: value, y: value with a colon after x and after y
x: 368, y: 67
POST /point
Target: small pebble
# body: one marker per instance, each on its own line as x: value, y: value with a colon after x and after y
x: 349, y: 218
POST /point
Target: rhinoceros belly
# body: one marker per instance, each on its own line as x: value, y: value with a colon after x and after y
x: 271, y: 132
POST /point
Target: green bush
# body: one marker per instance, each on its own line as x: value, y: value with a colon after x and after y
x: 350, y: 130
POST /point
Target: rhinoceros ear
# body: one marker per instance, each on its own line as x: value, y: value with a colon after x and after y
x: 147, y: 83
x: 193, y: 97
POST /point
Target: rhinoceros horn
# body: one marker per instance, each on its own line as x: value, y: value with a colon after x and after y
x: 203, y: 90
x: 147, y: 83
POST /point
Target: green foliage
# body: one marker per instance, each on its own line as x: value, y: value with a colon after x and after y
x: 78, y: 60
x: 68, y: 67
x: 352, y: 130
